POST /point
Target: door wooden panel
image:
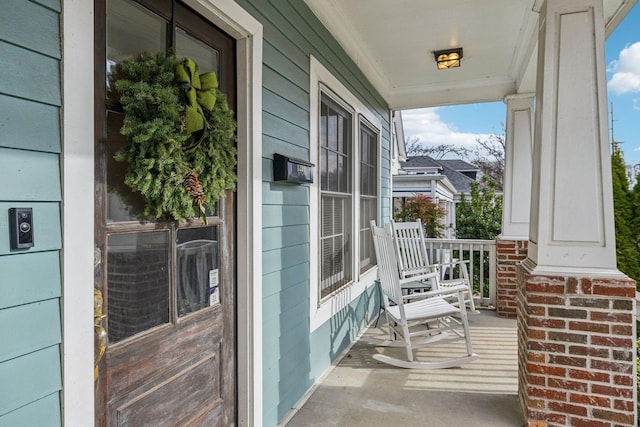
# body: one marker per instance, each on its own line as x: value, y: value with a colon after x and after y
x: 170, y: 359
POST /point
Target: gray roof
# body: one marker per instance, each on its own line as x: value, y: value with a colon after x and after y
x: 461, y: 182
x: 421, y: 162
x: 459, y: 165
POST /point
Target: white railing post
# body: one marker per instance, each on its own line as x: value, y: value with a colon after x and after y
x: 467, y: 249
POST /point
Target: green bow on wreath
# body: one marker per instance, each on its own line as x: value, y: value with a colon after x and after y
x: 200, y: 91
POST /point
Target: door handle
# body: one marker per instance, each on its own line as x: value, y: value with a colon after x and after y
x: 98, y: 329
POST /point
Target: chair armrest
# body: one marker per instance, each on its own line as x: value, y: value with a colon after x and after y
x: 419, y: 278
x: 437, y: 292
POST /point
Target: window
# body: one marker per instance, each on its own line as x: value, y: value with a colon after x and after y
x: 156, y: 272
x: 368, y: 193
x: 336, y: 198
x: 348, y: 169
x: 345, y: 139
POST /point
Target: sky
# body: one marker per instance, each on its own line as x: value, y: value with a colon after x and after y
x: 464, y: 124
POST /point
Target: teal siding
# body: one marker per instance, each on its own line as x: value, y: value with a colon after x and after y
x: 42, y: 413
x: 30, y: 280
x: 17, y: 117
x: 293, y: 358
x: 20, y: 283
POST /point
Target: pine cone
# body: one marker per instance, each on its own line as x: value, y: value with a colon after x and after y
x: 194, y: 187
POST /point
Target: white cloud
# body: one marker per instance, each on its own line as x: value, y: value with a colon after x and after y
x: 626, y: 71
x: 426, y: 124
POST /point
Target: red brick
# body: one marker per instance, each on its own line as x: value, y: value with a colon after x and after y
x: 586, y: 399
x: 601, y: 328
x: 546, y: 370
x: 624, y: 405
x: 536, y: 310
x: 567, y: 337
x: 589, y: 302
x: 536, y: 403
x: 552, y: 347
x: 614, y: 416
x: 621, y: 330
x: 547, y: 416
x: 601, y: 316
x: 537, y: 334
x: 536, y: 357
x: 623, y: 355
x: 547, y: 323
x: 545, y: 287
x: 612, y: 341
x: 614, y: 290
x: 545, y: 299
x: 627, y: 393
x: 623, y: 380
x: 580, y: 374
x: 555, y: 359
x: 547, y: 393
x: 536, y: 380
x: 581, y: 422
x: 606, y: 365
x: 568, y: 385
x: 580, y: 350
x: 567, y: 408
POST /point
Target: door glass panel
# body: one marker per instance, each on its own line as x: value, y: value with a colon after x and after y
x: 197, y: 273
x: 205, y: 56
x: 131, y: 30
x: 138, y: 282
x: 122, y: 203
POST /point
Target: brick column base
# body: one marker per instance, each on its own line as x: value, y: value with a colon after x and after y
x: 576, y: 350
x: 509, y: 253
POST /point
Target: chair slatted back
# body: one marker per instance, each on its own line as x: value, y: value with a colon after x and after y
x: 387, y: 265
x: 408, y: 238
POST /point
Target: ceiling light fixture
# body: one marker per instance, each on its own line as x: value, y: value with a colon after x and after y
x: 448, y: 58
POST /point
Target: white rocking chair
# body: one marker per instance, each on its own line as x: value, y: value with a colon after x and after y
x: 427, y: 308
x: 411, y: 251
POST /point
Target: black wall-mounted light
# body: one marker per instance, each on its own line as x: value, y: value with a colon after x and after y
x: 448, y: 58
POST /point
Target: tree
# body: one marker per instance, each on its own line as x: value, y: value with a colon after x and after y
x: 480, y: 216
x: 487, y: 154
x: 625, y: 206
x: 437, y: 151
x: 489, y: 157
x: 422, y: 207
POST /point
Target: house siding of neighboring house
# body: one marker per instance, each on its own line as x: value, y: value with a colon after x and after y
x: 30, y: 279
x: 294, y: 357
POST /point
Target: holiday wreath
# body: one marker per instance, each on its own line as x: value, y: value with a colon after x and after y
x: 181, y: 154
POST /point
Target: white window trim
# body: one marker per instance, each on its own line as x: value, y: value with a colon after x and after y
x: 322, y: 79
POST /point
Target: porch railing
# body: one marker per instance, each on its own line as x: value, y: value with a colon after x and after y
x: 481, y: 255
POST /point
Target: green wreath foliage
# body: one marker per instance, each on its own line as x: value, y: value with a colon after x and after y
x: 160, y: 153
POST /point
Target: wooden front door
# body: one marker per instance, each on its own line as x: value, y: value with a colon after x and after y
x: 168, y: 287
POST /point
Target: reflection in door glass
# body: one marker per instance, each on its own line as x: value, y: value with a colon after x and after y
x: 138, y: 283
x: 205, y: 56
x: 131, y: 30
x: 197, y: 273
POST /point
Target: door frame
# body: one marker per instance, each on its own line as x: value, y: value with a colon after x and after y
x: 77, y: 207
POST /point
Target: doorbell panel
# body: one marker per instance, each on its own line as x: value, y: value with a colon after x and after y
x: 21, y: 228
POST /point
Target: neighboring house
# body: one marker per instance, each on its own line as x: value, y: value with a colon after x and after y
x: 289, y: 268
x: 442, y: 180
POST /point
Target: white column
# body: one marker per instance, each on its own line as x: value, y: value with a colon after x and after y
x: 517, y: 167
x: 571, y: 224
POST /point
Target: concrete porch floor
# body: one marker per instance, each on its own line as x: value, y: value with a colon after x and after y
x: 361, y: 391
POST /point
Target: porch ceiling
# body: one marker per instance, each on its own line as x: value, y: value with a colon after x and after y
x: 393, y: 43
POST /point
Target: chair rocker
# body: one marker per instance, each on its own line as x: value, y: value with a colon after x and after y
x: 413, y: 260
x: 406, y: 320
